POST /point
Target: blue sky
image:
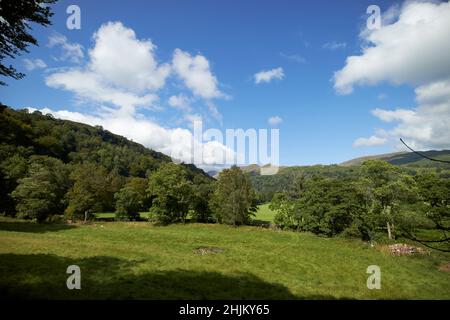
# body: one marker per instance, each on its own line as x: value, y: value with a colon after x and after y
x: 308, y: 40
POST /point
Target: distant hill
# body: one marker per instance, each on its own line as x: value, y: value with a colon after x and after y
x: 267, y: 186
x: 404, y: 158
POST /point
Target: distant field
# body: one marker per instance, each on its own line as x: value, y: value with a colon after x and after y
x: 121, y: 260
x: 111, y: 215
x: 265, y: 214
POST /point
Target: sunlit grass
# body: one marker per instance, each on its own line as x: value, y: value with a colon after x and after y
x: 140, y: 260
x: 265, y: 214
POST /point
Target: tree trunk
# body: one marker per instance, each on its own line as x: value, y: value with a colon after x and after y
x: 389, y: 230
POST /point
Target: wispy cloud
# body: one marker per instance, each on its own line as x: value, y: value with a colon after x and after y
x: 269, y: 75
x: 72, y: 52
x: 33, y: 64
x: 334, y: 45
x: 293, y: 57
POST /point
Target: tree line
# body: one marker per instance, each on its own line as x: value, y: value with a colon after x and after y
x: 378, y: 198
x: 56, y: 169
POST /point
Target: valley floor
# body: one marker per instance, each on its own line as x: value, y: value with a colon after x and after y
x: 137, y: 260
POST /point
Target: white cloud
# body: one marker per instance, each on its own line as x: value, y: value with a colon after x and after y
x: 269, y: 75
x: 427, y: 125
x: 334, y: 45
x: 368, y: 142
x: 126, y: 61
x: 33, y: 64
x: 275, y: 120
x: 180, y: 102
x: 70, y: 51
x: 122, y: 74
x: 410, y: 48
x: 389, y: 116
x: 109, y: 77
x: 91, y: 86
x: 196, y: 74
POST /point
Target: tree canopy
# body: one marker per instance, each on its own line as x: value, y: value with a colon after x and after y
x: 16, y: 18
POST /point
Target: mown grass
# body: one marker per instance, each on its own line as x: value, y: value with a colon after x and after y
x: 124, y: 260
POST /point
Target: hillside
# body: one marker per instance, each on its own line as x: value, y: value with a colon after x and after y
x: 405, y: 158
x: 26, y: 136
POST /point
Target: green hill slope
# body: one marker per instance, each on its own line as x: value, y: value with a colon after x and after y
x: 405, y: 158
x: 25, y: 135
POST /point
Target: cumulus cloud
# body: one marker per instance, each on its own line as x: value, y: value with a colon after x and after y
x: 369, y: 142
x: 91, y: 86
x: 410, y: 48
x: 196, y: 74
x: 275, y: 120
x: 269, y: 75
x: 427, y: 125
x: 391, y: 115
x: 72, y: 52
x: 126, y: 61
x: 108, y: 77
x: 121, y: 75
x: 33, y: 64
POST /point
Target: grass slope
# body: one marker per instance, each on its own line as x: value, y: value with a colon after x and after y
x: 139, y: 260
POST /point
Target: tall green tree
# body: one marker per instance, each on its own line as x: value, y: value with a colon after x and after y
x: 41, y: 193
x: 93, y: 190
x: 170, y: 191
x: 202, y: 189
x: 326, y: 206
x: 388, y: 189
x: 233, y: 199
x: 15, y: 24
x: 11, y: 170
x: 131, y: 199
x: 433, y: 208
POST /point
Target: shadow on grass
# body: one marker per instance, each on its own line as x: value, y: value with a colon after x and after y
x: 43, y: 276
x: 260, y: 223
x: 29, y: 226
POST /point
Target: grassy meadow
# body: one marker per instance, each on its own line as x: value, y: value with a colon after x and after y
x: 139, y: 260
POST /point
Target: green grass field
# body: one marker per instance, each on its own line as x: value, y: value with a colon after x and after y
x: 265, y: 214
x: 122, y: 260
x: 111, y: 215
